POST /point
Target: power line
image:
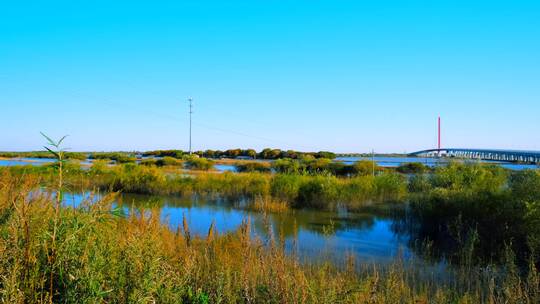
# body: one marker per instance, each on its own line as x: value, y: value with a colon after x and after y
x: 119, y: 105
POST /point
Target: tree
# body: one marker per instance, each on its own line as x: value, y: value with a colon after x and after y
x: 325, y: 154
x: 251, y: 153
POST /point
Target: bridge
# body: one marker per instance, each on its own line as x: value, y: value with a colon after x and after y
x: 484, y: 154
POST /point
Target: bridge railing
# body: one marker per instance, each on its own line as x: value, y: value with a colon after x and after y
x: 496, y: 155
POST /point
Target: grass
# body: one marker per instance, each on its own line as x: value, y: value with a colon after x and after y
x: 101, y: 257
x: 118, y: 157
x: 448, y: 206
x: 267, y: 204
x: 197, y: 163
x: 299, y: 191
x: 493, y: 207
x: 253, y: 167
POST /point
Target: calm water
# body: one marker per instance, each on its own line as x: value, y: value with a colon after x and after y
x: 225, y: 168
x: 25, y: 161
x: 369, y: 237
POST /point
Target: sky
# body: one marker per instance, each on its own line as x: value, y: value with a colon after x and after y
x: 344, y: 76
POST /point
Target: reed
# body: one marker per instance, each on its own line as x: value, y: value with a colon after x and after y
x: 267, y: 204
x: 102, y: 257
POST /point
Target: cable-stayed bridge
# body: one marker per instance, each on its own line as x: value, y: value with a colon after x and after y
x: 484, y: 154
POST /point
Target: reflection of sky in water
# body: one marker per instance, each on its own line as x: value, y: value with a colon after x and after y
x: 318, y: 233
x: 25, y: 161
x: 223, y: 168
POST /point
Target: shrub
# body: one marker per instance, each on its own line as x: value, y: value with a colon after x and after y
x: 168, y: 161
x: 253, y: 167
x: 99, y: 166
x: 325, y: 154
x: 358, y: 190
x: 365, y: 167
x: 286, y: 186
x: 137, y: 179
x: 75, y: 155
x: 419, y: 183
x: 316, y: 166
x: 412, y: 168
x: 318, y: 192
x: 390, y: 187
x: 286, y: 165
x: 148, y: 162
x: 165, y: 153
x: 472, y: 177
x: 525, y: 185
x: 119, y: 157
x: 195, y: 163
x: 340, y: 169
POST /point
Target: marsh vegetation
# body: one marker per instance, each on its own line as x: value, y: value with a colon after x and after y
x: 479, y: 220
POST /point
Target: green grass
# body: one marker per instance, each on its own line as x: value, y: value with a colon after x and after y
x: 203, y: 164
x: 493, y: 207
x: 119, y: 157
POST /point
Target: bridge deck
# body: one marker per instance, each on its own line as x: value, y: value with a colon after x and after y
x: 485, y: 154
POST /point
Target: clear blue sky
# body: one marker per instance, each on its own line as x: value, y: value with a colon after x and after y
x: 346, y: 76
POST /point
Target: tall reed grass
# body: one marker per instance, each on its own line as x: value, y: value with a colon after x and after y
x: 101, y: 257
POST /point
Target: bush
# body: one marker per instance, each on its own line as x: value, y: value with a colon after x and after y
x: 464, y: 201
x: 165, y: 153
x: 325, y: 154
x: 286, y: 165
x: 195, y: 163
x: 358, y: 190
x: 285, y: 187
x: 365, y: 167
x: 137, y: 179
x: 316, y: 166
x: 390, y: 187
x: 412, y: 168
x: 99, y: 166
x: 419, y: 183
x: 318, y: 192
x: 168, y: 161
x: 75, y: 155
x: 118, y: 157
x: 472, y: 177
x: 253, y: 167
x: 525, y: 185
x: 148, y: 162
x: 340, y: 169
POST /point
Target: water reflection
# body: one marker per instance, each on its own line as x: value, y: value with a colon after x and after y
x: 370, y: 237
x: 24, y: 161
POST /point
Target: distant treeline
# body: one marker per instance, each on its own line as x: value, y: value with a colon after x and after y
x: 42, y: 154
x: 267, y: 154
